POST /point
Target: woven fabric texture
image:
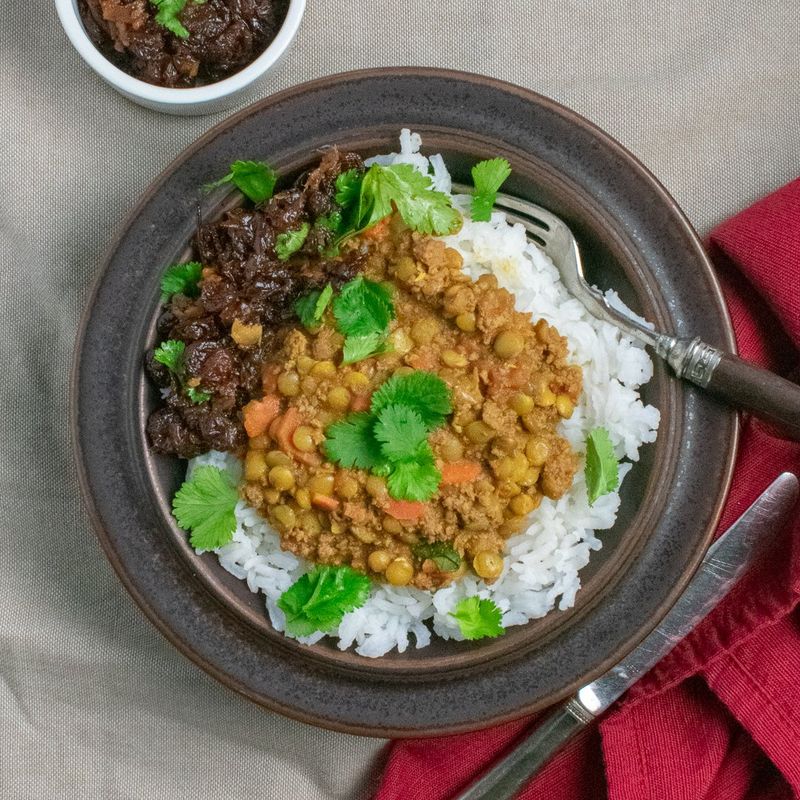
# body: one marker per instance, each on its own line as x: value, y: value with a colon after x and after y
x: 94, y: 703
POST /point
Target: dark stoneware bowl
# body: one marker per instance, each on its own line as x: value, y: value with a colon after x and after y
x: 633, y: 237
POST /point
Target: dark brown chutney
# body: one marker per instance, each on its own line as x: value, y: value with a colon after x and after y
x: 224, y: 36
x: 243, y: 284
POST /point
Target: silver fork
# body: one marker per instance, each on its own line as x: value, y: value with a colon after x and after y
x: 722, y: 374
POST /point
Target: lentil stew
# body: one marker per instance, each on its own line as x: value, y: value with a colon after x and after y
x: 306, y: 330
x: 498, y: 455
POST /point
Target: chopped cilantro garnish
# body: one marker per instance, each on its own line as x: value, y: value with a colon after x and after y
x: 334, y: 225
x: 445, y: 558
x: 170, y: 354
x: 305, y: 307
x: 255, y: 179
x: 348, y: 188
x: 363, y: 310
x: 415, y: 478
x: 197, y: 396
x: 205, y: 506
x: 602, y: 474
x: 478, y: 618
x: 330, y: 222
x: 363, y: 307
x: 391, y: 439
x: 424, y: 392
x: 310, y: 307
x: 402, y: 186
x: 290, y: 242
x: 181, y: 279
x: 168, y: 15
x: 366, y: 198
x: 401, y: 431
x: 319, y: 600
x: 325, y: 297
x: 351, y: 442
x: 357, y: 348
x: 488, y: 177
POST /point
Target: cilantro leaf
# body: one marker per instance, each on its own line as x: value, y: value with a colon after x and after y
x: 319, y: 600
x: 363, y: 307
x: 416, y: 478
x: 305, y: 306
x: 400, y: 185
x: 167, y: 16
x: 446, y: 559
x: 181, y: 279
x: 391, y: 439
x: 205, y: 506
x: 310, y: 307
x: 255, y: 179
x: 332, y: 227
x: 325, y: 297
x: 401, y: 431
x: 424, y: 392
x: 330, y: 222
x: 351, y: 442
x: 478, y: 618
x: 290, y: 242
x: 602, y: 474
x: 363, y: 310
x: 357, y: 348
x: 348, y: 188
x: 488, y: 177
x: 379, y: 187
x: 197, y: 396
x: 170, y: 354
x: 366, y: 198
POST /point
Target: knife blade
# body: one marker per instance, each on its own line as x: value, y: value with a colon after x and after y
x: 724, y: 563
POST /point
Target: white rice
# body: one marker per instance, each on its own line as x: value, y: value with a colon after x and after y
x: 542, y: 564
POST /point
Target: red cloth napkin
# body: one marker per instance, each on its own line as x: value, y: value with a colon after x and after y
x: 720, y: 716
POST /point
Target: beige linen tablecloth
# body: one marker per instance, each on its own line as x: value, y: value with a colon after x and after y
x: 94, y: 703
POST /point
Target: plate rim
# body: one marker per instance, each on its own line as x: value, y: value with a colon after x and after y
x: 183, y: 645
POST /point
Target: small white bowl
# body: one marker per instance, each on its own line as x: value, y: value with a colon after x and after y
x: 200, y: 100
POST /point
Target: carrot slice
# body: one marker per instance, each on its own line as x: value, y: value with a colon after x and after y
x: 258, y: 414
x: 360, y: 402
x: 273, y: 426
x: 284, y: 429
x: 379, y: 231
x: 324, y: 502
x: 269, y: 378
x: 504, y: 378
x: 460, y: 472
x: 407, y: 510
x: 424, y: 359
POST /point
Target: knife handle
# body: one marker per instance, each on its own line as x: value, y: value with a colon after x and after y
x: 514, y: 770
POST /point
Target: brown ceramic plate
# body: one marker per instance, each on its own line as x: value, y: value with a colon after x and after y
x: 633, y: 237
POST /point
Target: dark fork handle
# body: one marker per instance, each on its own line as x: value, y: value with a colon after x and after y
x: 734, y: 381
x: 767, y: 395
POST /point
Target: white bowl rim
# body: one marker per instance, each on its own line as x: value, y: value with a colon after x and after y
x: 73, y: 26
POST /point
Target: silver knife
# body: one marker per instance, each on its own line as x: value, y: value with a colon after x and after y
x: 724, y: 563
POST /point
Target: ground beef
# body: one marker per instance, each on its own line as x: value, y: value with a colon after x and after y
x: 244, y: 281
x: 224, y: 36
